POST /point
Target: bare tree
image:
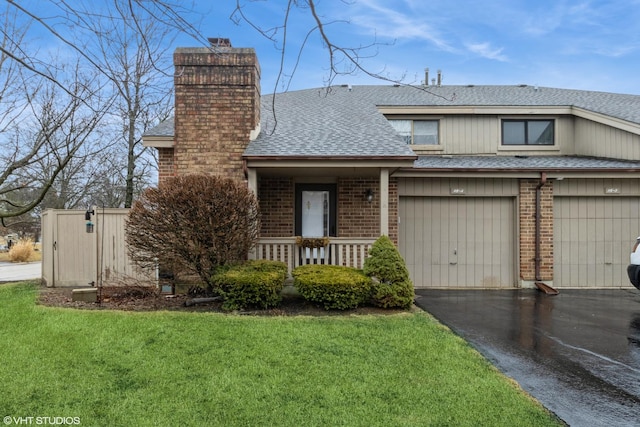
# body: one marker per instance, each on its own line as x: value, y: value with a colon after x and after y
x: 129, y: 45
x: 122, y: 43
x: 49, y: 109
x: 48, y: 128
x: 72, y: 24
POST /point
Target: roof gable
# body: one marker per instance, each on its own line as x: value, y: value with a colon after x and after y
x: 317, y: 123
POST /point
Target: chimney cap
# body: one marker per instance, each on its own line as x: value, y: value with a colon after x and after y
x: 219, y: 42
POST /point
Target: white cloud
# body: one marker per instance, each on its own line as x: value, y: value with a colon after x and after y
x: 485, y: 50
x: 388, y: 22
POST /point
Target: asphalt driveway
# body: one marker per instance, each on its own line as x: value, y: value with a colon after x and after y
x: 578, y: 352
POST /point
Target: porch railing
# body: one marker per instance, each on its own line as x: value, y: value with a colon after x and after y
x: 350, y: 252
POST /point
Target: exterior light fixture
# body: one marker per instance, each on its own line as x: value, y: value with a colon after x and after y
x: 368, y: 195
x: 87, y: 217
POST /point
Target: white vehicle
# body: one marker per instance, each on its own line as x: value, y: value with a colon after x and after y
x: 633, y: 270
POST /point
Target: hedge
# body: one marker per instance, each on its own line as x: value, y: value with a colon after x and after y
x: 332, y: 286
x: 255, y: 283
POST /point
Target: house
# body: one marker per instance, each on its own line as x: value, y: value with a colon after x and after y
x: 479, y: 186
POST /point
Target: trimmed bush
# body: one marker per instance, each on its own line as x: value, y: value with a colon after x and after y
x: 385, y: 262
x: 393, y: 288
x: 22, y: 251
x: 333, y: 286
x: 396, y: 295
x: 251, y: 284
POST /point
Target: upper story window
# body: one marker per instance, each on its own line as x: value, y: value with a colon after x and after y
x: 527, y: 132
x: 417, y: 132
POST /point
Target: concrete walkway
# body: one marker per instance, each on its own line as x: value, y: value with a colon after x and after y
x: 13, y: 272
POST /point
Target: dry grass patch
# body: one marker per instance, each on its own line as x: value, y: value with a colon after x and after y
x: 24, y: 250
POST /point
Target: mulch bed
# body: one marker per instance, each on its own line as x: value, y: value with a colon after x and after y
x: 137, y: 298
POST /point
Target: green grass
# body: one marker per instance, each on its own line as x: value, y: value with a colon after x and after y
x: 167, y: 368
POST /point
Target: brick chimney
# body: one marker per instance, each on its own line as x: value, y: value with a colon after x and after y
x: 217, y: 108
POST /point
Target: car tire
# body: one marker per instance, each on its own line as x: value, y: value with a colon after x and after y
x: 634, y: 275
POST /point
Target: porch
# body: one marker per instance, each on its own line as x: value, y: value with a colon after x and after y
x: 345, y: 251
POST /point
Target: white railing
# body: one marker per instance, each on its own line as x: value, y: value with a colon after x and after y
x: 350, y: 252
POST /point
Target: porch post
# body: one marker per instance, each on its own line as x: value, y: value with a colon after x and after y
x: 252, y: 183
x: 252, y: 180
x: 384, y: 202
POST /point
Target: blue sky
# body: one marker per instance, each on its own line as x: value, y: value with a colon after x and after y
x: 592, y: 45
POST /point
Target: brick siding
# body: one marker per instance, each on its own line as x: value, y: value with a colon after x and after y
x: 166, y: 167
x: 356, y: 216
x: 276, y: 197
x: 217, y: 105
x: 528, y: 230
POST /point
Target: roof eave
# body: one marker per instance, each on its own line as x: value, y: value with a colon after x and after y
x: 552, y: 172
x: 158, y: 141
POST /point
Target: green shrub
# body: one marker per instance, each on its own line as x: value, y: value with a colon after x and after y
x: 251, y: 284
x: 396, y: 295
x: 333, y: 286
x: 393, y: 288
x: 385, y: 262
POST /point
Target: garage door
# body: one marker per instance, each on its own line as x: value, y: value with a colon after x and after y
x: 592, y: 240
x: 458, y: 242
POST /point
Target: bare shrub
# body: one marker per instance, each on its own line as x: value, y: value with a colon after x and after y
x: 22, y: 251
x: 193, y: 224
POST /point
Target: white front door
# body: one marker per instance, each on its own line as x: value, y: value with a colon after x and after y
x: 315, y: 213
x: 315, y: 218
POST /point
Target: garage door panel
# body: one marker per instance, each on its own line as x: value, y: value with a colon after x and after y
x: 592, y: 239
x: 459, y: 242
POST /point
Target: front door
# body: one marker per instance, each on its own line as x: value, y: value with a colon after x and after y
x: 315, y: 214
x: 315, y: 210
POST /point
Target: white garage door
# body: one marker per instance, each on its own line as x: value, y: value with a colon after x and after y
x: 592, y: 240
x: 459, y: 242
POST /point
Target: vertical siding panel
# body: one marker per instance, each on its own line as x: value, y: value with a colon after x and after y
x: 595, y: 248
x: 599, y: 140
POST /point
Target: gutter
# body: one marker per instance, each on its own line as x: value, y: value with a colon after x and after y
x: 524, y: 170
x: 319, y: 157
x: 538, y: 257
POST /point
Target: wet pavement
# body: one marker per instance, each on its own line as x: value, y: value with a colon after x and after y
x: 578, y: 352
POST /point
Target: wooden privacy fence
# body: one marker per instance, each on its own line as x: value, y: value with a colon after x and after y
x: 72, y: 256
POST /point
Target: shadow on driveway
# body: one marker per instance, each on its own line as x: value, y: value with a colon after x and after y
x: 578, y: 353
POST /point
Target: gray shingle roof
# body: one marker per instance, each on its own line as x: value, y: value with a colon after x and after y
x: 347, y: 123
x: 165, y: 128
x: 520, y: 163
x: 343, y: 122
x: 314, y: 123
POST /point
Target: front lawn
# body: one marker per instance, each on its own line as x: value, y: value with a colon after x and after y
x: 167, y: 368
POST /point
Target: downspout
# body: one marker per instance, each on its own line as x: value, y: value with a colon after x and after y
x: 538, y: 258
